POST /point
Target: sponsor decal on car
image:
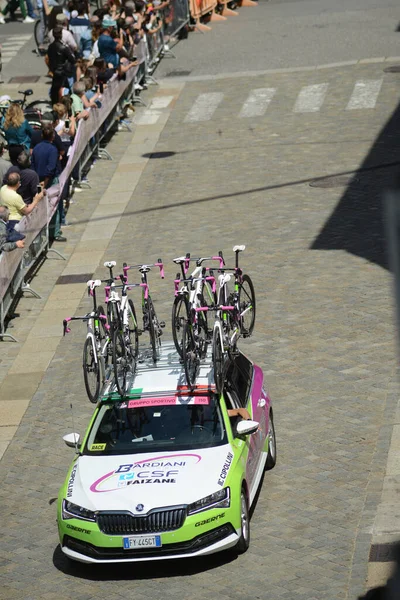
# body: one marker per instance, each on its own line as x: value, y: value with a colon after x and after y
x: 97, y: 447
x: 161, y: 469
x: 210, y: 520
x: 169, y: 401
x: 78, y: 529
x: 225, y: 469
x: 70, y: 486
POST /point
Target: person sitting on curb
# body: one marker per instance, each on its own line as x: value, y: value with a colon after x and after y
x: 14, y: 202
x: 6, y: 246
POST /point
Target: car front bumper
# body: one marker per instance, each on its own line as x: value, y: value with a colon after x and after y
x: 214, y: 540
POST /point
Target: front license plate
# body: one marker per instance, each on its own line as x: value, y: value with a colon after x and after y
x: 142, y: 541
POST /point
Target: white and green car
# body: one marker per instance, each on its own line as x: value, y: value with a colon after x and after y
x: 168, y: 472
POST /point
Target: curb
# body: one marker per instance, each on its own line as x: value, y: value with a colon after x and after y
x: 240, y: 74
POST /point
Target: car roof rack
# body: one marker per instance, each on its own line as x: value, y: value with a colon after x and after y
x: 166, y: 377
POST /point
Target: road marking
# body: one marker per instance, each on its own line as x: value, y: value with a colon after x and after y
x: 311, y: 98
x: 21, y: 37
x: 161, y: 102
x: 257, y: 102
x: 9, y: 52
x: 204, y: 107
x: 148, y: 117
x: 19, y: 45
x: 365, y: 94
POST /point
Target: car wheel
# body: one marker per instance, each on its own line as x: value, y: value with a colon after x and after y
x: 244, y: 540
x: 271, y: 456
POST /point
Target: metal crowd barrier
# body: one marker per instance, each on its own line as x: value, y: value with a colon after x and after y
x: 15, y: 265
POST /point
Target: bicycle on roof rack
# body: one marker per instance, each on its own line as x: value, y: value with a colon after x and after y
x: 97, y: 349
x: 234, y: 317
x: 196, y: 290
x: 151, y: 322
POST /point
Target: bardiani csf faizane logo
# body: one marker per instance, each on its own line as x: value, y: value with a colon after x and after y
x: 70, y: 487
x: 225, y: 469
x: 161, y: 469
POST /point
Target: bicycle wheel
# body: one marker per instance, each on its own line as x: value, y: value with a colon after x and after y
x: 133, y: 329
x: 218, y: 360
x: 191, y: 361
x: 208, y: 298
x: 153, y: 329
x: 91, y: 370
x: 120, y: 362
x: 247, y: 306
x: 180, y: 316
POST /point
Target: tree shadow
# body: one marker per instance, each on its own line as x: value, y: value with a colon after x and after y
x: 143, y: 570
x: 357, y: 223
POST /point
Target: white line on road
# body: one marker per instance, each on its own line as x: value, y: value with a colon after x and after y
x: 12, y: 44
x: 204, y: 107
x: 20, y: 37
x: 311, y: 98
x: 257, y: 102
x: 365, y: 94
x: 161, y: 102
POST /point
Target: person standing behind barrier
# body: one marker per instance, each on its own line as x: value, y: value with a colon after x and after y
x: 45, y: 163
x: 4, y: 164
x: 18, y: 132
x: 80, y: 25
x: 6, y: 246
x: 29, y: 178
x: 14, y: 202
x: 67, y: 37
x: 109, y: 47
x: 61, y: 64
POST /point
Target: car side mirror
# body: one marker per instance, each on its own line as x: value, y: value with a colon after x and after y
x: 72, y: 439
x: 247, y: 427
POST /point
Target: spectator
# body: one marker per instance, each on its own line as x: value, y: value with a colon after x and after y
x: 18, y: 132
x: 12, y: 6
x: 67, y: 37
x: 14, y: 202
x: 91, y: 96
x: 109, y: 47
x: 28, y: 177
x: 4, y: 164
x: 45, y: 157
x: 61, y: 64
x: 45, y: 163
x: 44, y: 7
x: 80, y: 25
x: 66, y: 125
x: 4, y: 245
x: 77, y: 108
x: 37, y: 136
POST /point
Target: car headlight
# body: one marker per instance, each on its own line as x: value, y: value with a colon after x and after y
x: 73, y: 511
x: 220, y: 499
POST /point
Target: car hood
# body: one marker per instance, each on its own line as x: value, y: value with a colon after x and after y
x: 151, y: 480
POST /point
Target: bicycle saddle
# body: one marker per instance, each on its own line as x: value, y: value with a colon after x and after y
x: 93, y: 283
x: 110, y: 263
x: 144, y: 269
x: 26, y: 92
x: 224, y: 278
x: 180, y: 260
x: 238, y: 248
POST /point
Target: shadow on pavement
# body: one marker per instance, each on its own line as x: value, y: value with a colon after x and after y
x: 357, y: 223
x: 142, y: 570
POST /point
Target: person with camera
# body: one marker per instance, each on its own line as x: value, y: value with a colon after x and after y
x: 29, y: 179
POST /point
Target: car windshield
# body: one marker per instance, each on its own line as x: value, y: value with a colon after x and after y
x: 153, y: 424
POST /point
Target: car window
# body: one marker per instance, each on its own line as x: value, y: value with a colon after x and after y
x: 138, y: 426
x: 240, y: 374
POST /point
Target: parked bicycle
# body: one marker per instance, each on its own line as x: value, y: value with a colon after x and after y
x: 97, y: 349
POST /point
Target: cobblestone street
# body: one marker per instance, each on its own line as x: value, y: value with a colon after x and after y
x: 324, y: 336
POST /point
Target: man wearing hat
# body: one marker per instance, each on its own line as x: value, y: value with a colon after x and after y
x: 67, y: 37
x: 108, y: 47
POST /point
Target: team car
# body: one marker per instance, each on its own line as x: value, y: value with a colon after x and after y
x: 168, y: 472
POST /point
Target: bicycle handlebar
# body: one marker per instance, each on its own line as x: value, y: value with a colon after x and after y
x: 91, y: 315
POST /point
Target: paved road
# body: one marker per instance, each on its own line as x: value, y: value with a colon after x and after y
x: 324, y: 337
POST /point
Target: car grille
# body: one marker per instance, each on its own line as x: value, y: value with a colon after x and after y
x: 124, y: 523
